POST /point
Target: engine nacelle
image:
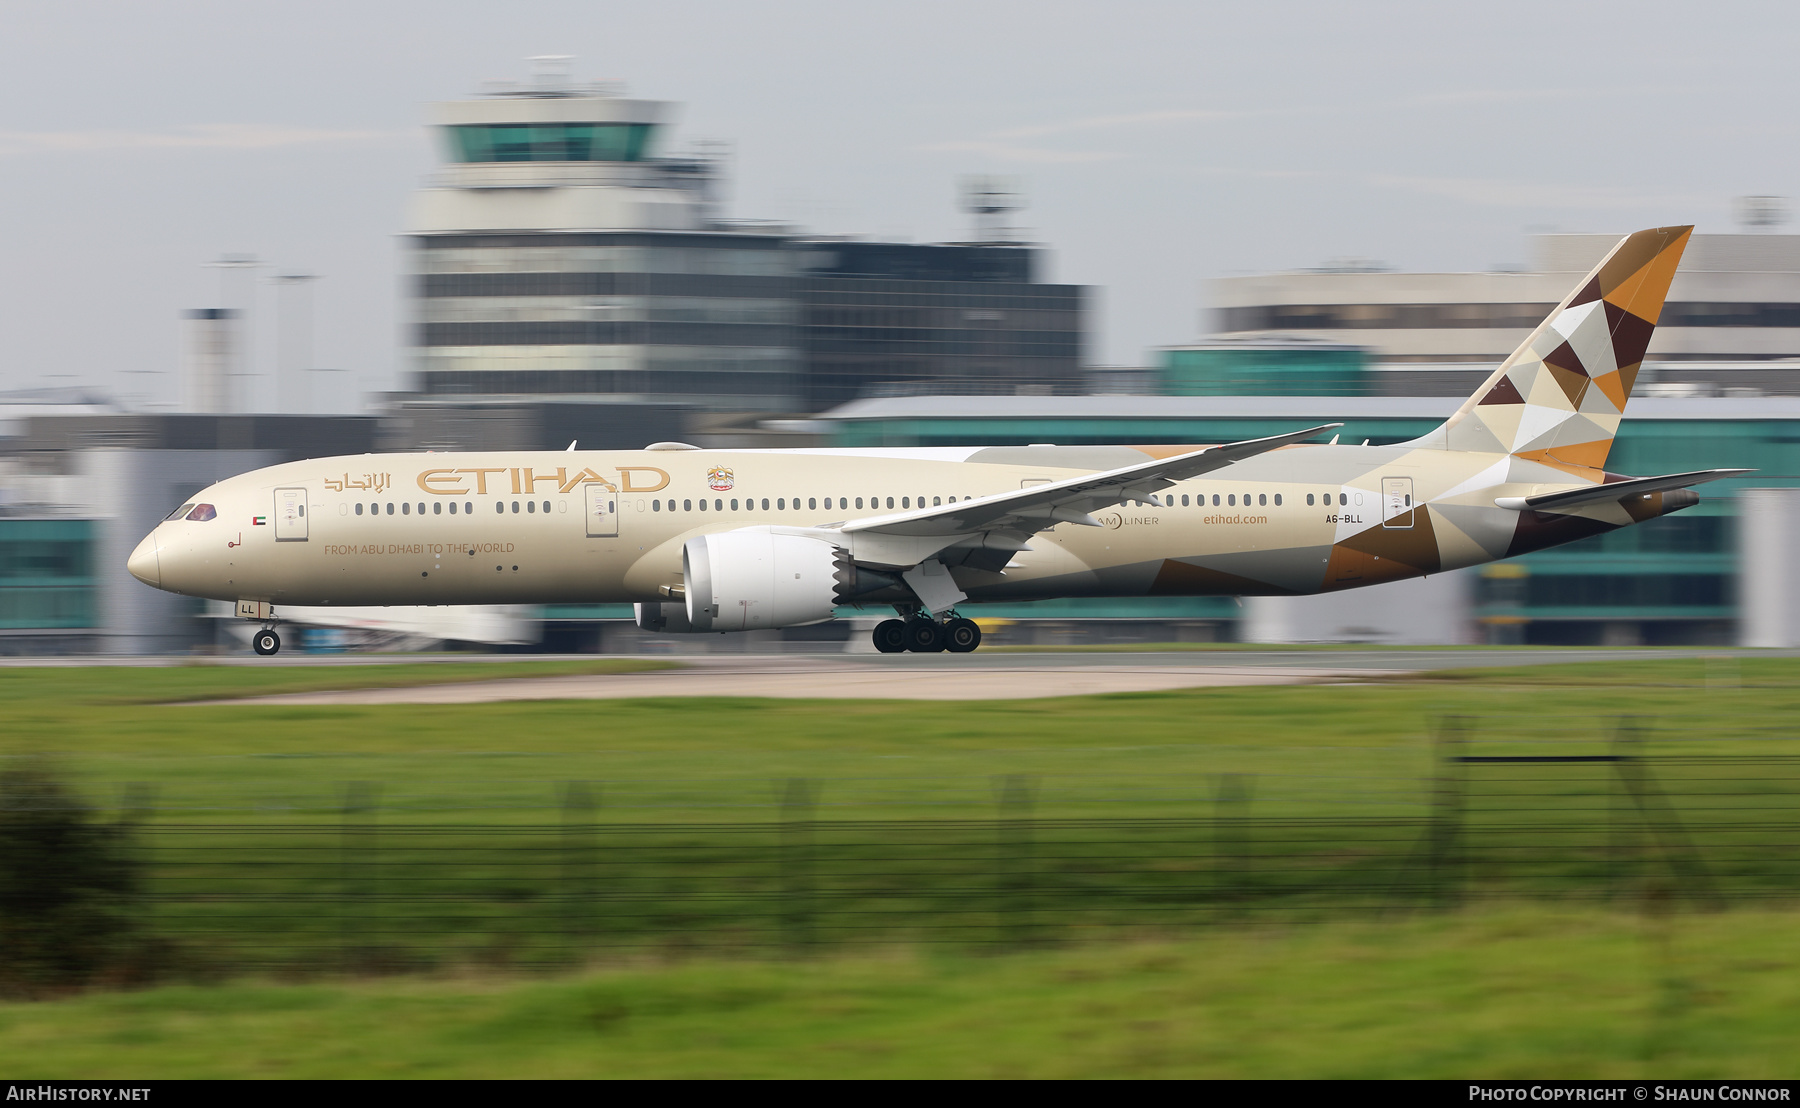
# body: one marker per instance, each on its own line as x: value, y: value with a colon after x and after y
x: 753, y: 579
x: 669, y: 618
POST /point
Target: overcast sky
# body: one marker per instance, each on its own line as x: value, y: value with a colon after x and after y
x: 1158, y: 144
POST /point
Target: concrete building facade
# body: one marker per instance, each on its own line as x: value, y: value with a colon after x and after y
x: 1732, y: 320
x: 559, y: 252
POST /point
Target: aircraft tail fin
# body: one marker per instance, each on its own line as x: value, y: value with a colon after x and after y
x: 1559, y: 398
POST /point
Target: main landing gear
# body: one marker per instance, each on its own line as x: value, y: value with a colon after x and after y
x: 923, y: 635
x: 266, y: 641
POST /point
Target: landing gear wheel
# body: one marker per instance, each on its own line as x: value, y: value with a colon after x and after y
x: 265, y: 642
x: 890, y: 636
x: 961, y: 636
x: 924, y: 636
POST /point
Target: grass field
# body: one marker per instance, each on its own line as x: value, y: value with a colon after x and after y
x: 1508, y: 993
x: 1412, y: 993
x: 680, y: 757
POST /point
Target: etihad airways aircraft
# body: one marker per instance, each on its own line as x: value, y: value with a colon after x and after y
x: 738, y: 540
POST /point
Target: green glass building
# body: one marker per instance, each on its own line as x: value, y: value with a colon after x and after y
x: 1672, y: 580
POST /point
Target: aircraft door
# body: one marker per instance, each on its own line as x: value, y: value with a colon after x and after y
x: 602, y: 511
x: 1396, y: 502
x: 290, y: 515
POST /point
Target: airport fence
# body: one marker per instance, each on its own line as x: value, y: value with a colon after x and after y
x: 365, y: 884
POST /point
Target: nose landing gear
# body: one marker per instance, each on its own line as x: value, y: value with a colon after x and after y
x: 923, y: 635
x: 266, y: 641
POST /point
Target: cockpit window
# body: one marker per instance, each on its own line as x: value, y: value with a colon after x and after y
x: 179, y: 512
x: 202, y: 513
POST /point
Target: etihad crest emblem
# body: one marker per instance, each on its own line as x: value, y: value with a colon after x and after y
x: 720, y: 478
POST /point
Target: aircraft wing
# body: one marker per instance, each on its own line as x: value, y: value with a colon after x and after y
x: 1615, y: 491
x: 1041, y: 507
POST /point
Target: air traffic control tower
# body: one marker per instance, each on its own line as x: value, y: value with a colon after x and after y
x: 560, y: 253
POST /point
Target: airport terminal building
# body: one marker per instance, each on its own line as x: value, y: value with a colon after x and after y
x: 1731, y: 325
x: 560, y: 252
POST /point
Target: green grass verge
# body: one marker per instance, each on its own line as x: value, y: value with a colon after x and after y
x: 1512, y: 992
x: 696, y: 757
x: 697, y: 781
x: 83, y: 687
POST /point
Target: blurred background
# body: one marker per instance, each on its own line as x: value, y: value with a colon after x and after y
x: 237, y: 237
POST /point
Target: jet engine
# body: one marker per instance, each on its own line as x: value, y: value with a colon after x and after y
x: 753, y: 579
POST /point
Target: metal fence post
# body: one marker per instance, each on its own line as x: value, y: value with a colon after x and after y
x: 795, y: 850
x: 1014, y: 873
x: 357, y: 909
x: 137, y: 803
x: 1447, y: 812
x: 579, y: 868
x: 1624, y: 830
x: 1231, y: 842
x: 1660, y: 820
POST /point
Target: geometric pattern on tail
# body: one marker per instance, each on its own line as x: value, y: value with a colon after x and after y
x: 1559, y: 398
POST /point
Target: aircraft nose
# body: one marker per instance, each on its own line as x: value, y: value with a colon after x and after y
x: 144, y: 563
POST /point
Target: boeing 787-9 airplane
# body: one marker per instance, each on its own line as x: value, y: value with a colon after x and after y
x: 737, y: 540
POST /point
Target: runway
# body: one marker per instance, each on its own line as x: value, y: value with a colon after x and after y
x: 992, y: 676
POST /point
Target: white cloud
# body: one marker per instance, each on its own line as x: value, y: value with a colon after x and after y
x: 200, y: 136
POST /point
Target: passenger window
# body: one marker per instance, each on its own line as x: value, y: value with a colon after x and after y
x: 937, y: 502
x: 405, y: 509
x: 500, y: 506
x: 734, y: 503
x: 1184, y: 500
x: 718, y: 505
x: 703, y: 504
x: 1215, y: 500
x: 547, y: 507
x: 359, y: 507
x: 531, y: 506
x: 781, y: 503
x: 301, y: 509
x: 1232, y: 500
x: 1343, y: 499
x: 1278, y: 500
x: 859, y: 502
x: 390, y: 510
x: 515, y: 507
x: 812, y: 503
x: 906, y: 502
x: 890, y: 502
x: 1262, y: 499
x: 765, y: 503
x: 453, y: 507
x: 1309, y: 500
x: 656, y: 505
x: 437, y: 507
x: 687, y: 505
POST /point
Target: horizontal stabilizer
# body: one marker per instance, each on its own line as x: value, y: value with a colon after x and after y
x: 1615, y: 491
